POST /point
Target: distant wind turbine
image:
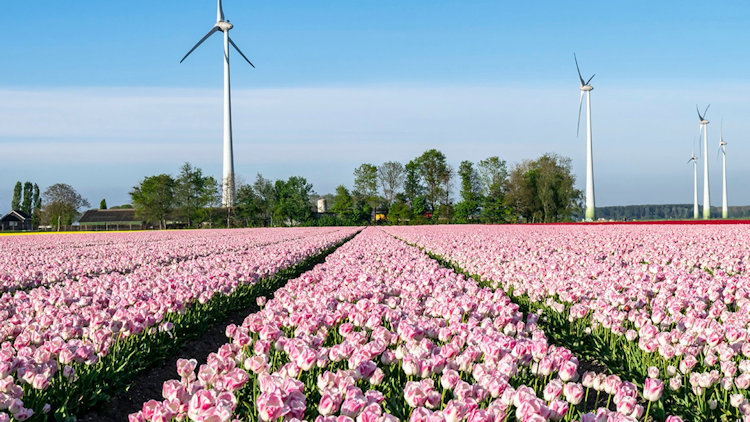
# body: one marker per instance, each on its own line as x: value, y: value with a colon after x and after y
x: 723, y: 151
x: 694, y: 159
x: 227, y: 184
x: 703, y: 127
x: 586, y: 88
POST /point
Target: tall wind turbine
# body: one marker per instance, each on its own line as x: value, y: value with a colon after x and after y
x: 703, y: 126
x: 586, y: 88
x: 694, y: 159
x: 227, y: 184
x: 723, y: 150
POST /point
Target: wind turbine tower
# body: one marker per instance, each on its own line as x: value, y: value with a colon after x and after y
x: 694, y: 159
x: 723, y: 149
x: 227, y: 183
x: 703, y: 126
x: 586, y: 88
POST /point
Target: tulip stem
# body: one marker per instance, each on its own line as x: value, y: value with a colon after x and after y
x: 648, y: 408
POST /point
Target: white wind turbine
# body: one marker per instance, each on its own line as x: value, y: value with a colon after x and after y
x: 694, y: 159
x: 723, y: 151
x: 586, y: 88
x: 227, y: 185
x: 703, y: 126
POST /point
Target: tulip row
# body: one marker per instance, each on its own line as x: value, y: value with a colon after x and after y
x: 381, y: 332
x: 65, y: 346
x: 31, y: 261
x: 663, y: 302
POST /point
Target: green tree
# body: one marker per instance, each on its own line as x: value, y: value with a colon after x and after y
x: 437, y: 176
x: 36, y: 216
x: 292, y: 205
x: 248, y: 206
x: 193, y: 192
x: 391, y: 176
x: 366, y: 180
x: 266, y: 197
x: 413, y: 186
x: 15, y: 203
x: 543, y: 189
x: 27, y: 203
x: 400, y: 212
x: 493, y: 175
x: 103, y: 204
x: 154, y: 198
x: 343, y: 205
x: 62, y: 204
x: 468, y: 208
x: 36, y: 198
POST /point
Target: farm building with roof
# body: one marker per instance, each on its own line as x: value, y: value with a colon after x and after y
x: 114, y: 219
x: 15, y: 220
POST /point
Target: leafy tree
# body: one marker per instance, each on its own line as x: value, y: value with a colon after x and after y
x: 343, y: 205
x: 543, y: 190
x: 15, y: 203
x: 493, y: 174
x: 468, y: 208
x: 391, y: 176
x: 248, y: 206
x: 292, y: 201
x: 420, y: 207
x: 556, y: 187
x: 366, y: 180
x: 521, y: 193
x: 62, y: 204
x: 36, y: 198
x: 27, y: 202
x: 266, y: 197
x: 413, y: 186
x: 437, y: 176
x: 193, y: 192
x: 103, y: 204
x: 154, y: 198
x: 36, y: 216
x: 400, y: 212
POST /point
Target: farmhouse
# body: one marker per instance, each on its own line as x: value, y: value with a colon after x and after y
x: 114, y: 219
x: 15, y: 220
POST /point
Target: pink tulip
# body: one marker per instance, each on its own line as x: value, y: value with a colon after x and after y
x: 652, y: 389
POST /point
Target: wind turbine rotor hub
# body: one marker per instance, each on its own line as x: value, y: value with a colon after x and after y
x: 224, y: 26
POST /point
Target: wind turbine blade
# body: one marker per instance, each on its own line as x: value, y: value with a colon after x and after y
x: 580, y: 106
x: 699, y: 112
x: 688, y: 162
x: 578, y: 69
x: 211, y: 32
x: 219, y: 12
x: 241, y: 54
x: 706, y: 111
x: 592, y: 77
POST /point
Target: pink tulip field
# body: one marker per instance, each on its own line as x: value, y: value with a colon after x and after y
x: 414, y: 323
x: 127, y: 301
x: 382, y: 331
x: 669, y: 303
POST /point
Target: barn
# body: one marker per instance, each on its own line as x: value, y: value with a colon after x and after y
x: 113, y: 219
x: 15, y: 220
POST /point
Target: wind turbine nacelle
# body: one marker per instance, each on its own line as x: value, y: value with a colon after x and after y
x: 587, y: 88
x: 224, y: 26
x: 705, y: 122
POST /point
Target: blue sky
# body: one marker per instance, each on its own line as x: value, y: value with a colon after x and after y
x: 92, y: 93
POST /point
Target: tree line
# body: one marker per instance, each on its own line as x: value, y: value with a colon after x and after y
x: 58, y: 205
x: 420, y: 191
